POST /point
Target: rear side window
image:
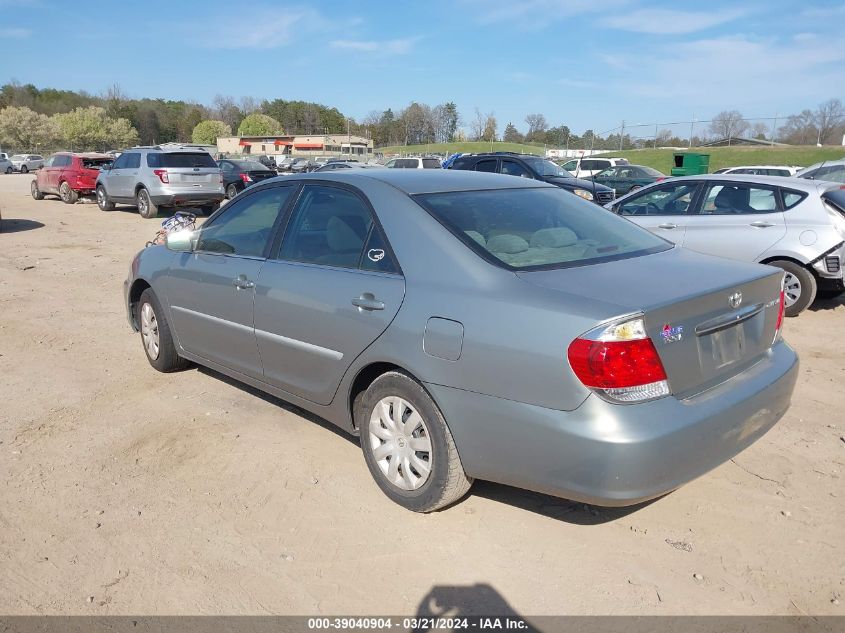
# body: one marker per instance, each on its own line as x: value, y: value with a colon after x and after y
x: 738, y: 199
x: 527, y: 229
x: 407, y: 163
x: 431, y: 163
x: 328, y: 226
x: 461, y: 163
x: 178, y: 160
x: 791, y: 198
x: 486, y: 165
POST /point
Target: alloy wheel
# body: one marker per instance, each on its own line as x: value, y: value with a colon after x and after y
x: 401, y: 443
x: 149, y: 331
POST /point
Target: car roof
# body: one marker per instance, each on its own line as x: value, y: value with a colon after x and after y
x: 760, y: 167
x: 840, y: 161
x: 775, y: 181
x: 414, y: 181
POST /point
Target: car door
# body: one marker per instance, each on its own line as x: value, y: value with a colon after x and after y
x: 43, y: 175
x: 736, y: 220
x: 60, y: 165
x: 331, y: 290
x: 663, y: 209
x: 115, y: 178
x: 513, y: 168
x: 211, y: 290
x: 609, y: 178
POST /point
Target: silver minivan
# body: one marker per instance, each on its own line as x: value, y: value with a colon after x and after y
x: 795, y: 224
x: 153, y: 177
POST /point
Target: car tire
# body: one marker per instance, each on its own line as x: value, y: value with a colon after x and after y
x: 68, y: 195
x: 9, y: 170
x: 446, y: 482
x: 146, y: 207
x: 37, y: 194
x: 103, y: 199
x: 209, y: 209
x: 24, y: 169
x: 156, y: 337
x: 800, y: 286
x: 231, y: 191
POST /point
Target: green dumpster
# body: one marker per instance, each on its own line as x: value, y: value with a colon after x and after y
x: 691, y: 164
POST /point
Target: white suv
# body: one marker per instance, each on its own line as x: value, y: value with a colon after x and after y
x: 586, y: 167
x: 414, y: 163
x: 27, y: 162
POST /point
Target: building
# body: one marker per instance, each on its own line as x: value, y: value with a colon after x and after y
x: 301, y: 145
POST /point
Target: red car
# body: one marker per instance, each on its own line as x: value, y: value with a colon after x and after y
x: 68, y: 176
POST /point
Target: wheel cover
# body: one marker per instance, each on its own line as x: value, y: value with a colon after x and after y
x: 791, y: 289
x: 401, y: 443
x: 34, y: 188
x: 142, y: 202
x: 149, y: 331
x: 64, y: 190
x: 101, y: 197
x: 231, y: 192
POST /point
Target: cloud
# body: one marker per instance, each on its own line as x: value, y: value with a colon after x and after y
x: 396, y: 47
x: 534, y: 14
x: 14, y: 33
x: 670, y: 21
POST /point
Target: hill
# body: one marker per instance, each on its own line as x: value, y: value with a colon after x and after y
x: 661, y: 159
x: 451, y: 148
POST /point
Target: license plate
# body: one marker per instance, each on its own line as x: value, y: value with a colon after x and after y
x: 728, y: 345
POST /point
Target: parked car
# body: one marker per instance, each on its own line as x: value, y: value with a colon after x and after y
x: 537, y: 168
x: 760, y: 170
x: 153, y: 178
x: 268, y: 161
x: 406, y: 297
x: 25, y: 163
x: 300, y: 165
x: 625, y: 178
x: 240, y: 174
x: 318, y: 162
x: 338, y: 165
x: 586, y: 167
x: 831, y: 171
x: 413, y: 163
x: 796, y: 225
x: 283, y: 164
x: 69, y: 175
x: 5, y: 165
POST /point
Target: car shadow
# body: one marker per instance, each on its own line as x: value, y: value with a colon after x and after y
x: 573, y: 512
x: 456, y: 602
x: 16, y: 226
x: 827, y: 304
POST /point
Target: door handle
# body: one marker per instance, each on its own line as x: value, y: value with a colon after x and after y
x: 667, y: 225
x: 761, y: 224
x: 242, y: 283
x: 367, y: 301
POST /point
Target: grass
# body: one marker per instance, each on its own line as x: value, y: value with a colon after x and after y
x: 451, y: 148
x: 660, y: 159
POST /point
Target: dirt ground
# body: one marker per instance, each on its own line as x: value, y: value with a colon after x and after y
x: 127, y: 491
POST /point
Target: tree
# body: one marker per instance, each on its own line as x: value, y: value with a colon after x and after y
x: 477, y: 125
x: 728, y: 123
x: 451, y: 120
x: 490, y: 128
x: 225, y: 109
x: 90, y: 128
x: 799, y: 129
x: 207, y: 132
x: 257, y: 124
x: 759, y: 131
x: 512, y: 135
x: 23, y: 129
x: 559, y: 136
x: 537, y: 127
x: 828, y: 117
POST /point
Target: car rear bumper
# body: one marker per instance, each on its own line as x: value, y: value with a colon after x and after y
x: 186, y: 199
x: 618, y: 455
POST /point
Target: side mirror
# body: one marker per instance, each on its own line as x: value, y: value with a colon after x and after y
x: 106, y: 166
x: 181, y: 241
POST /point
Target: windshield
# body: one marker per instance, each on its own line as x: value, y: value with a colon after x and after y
x: 528, y: 229
x: 547, y: 168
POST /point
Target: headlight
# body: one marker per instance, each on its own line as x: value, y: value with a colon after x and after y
x: 587, y: 195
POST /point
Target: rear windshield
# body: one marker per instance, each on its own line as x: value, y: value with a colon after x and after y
x: 178, y: 160
x: 95, y: 163
x: 649, y: 171
x: 531, y: 229
x: 248, y: 165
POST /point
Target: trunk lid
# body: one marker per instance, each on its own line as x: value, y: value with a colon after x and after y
x: 258, y: 175
x: 709, y: 318
x: 192, y: 171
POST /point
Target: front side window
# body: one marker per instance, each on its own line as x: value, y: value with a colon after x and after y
x: 738, y: 199
x: 666, y: 200
x: 245, y: 227
x: 120, y: 162
x: 328, y: 226
x: 513, y: 168
x: 50, y: 161
x: 528, y: 229
x: 486, y: 165
x: 133, y: 160
x: 571, y: 165
x: 833, y: 173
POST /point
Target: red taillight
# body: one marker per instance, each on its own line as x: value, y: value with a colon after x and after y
x: 246, y: 178
x: 615, y: 364
x: 619, y: 362
x: 781, y: 308
x: 662, y: 178
x: 162, y: 175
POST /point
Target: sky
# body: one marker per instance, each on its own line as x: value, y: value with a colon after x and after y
x: 586, y: 64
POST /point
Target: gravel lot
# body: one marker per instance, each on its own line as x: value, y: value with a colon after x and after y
x: 126, y: 491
